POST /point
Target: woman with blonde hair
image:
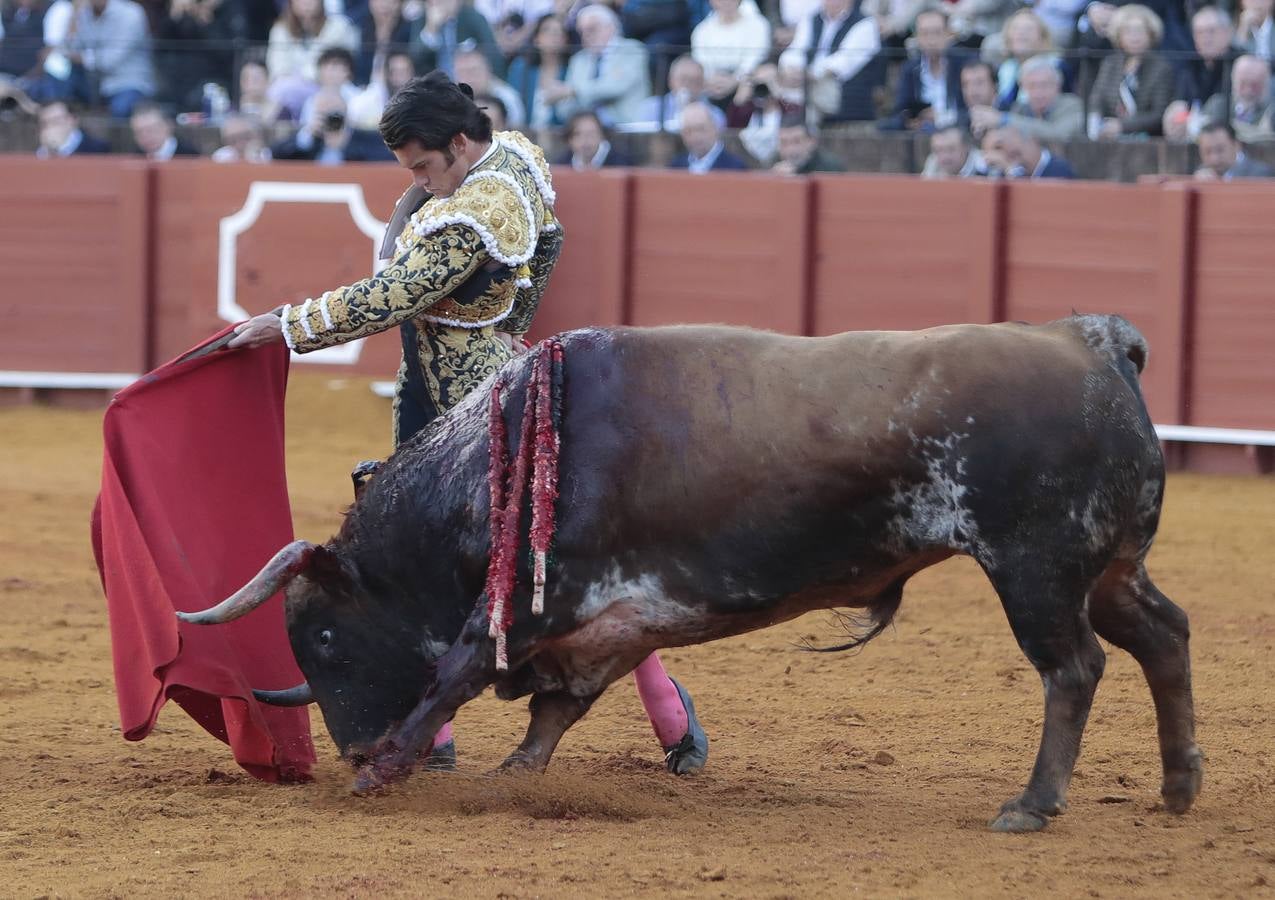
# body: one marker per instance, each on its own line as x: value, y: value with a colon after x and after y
x: 1134, y: 83
x: 302, y: 32
x: 1023, y: 36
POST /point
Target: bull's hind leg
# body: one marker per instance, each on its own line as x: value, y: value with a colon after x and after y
x: 1048, y: 619
x: 1130, y: 612
x: 551, y: 715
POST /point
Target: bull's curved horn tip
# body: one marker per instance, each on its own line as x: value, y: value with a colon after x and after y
x: 300, y: 695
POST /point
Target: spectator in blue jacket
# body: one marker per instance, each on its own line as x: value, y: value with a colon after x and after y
x: 703, y: 142
x: 929, y: 91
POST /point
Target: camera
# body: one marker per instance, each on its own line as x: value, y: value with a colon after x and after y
x: 334, y: 121
x: 761, y: 92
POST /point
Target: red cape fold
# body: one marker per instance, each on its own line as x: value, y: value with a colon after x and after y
x: 194, y: 502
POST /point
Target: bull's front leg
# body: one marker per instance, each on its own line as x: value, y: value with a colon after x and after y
x: 464, y: 672
x: 551, y: 715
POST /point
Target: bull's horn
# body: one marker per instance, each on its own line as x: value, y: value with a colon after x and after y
x: 301, y: 695
x: 287, y: 564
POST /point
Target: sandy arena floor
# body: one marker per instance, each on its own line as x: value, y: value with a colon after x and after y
x: 830, y: 775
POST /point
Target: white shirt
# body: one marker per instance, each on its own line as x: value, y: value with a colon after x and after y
x: 491, y: 148
x: 365, y: 108
x: 57, y: 22
x: 495, y: 11
x: 861, y: 44
x: 582, y: 165
x: 934, y: 92
x: 737, y: 48
x: 1045, y: 157
x: 69, y: 146
x: 166, y: 150
x: 791, y: 12
x: 1262, y: 40
x: 702, y: 164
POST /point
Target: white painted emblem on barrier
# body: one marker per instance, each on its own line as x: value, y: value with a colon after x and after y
x: 259, y: 194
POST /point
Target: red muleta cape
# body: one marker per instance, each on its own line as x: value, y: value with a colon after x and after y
x: 194, y: 502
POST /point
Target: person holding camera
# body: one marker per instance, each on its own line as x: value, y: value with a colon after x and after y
x: 763, y: 100
x: 327, y: 137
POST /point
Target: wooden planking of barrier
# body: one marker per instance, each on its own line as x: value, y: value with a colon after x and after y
x: 146, y: 259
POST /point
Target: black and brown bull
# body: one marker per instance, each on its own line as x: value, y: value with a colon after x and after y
x: 719, y: 480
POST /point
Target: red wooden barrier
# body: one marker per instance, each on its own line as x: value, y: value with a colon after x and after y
x: 589, y: 283
x: 74, y: 263
x: 900, y: 253
x: 726, y: 248
x: 1232, y: 371
x: 1104, y: 248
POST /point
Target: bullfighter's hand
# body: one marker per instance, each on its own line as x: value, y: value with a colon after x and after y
x: 258, y: 331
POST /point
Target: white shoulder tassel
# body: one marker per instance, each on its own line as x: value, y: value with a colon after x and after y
x: 497, y: 631
x: 538, y: 582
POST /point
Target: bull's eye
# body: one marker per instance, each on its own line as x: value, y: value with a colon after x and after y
x: 325, y: 636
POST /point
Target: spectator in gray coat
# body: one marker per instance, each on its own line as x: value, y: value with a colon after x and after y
x: 1134, y: 84
x: 608, y: 76
x: 1249, y: 111
x: 112, y: 40
x: 1043, y: 110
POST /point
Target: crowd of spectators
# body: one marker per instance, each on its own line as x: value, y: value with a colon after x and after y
x: 999, y: 86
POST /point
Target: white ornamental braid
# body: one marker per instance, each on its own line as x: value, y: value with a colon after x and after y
x: 542, y: 183
x: 326, y: 313
x: 432, y: 224
x: 459, y: 323
x: 497, y: 631
x: 538, y: 584
x: 283, y: 323
x: 304, y: 316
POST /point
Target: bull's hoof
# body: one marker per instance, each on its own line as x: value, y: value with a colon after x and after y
x: 1018, y: 821
x: 442, y: 758
x: 1180, y: 788
x: 517, y: 764
x: 1014, y: 819
x: 691, y: 752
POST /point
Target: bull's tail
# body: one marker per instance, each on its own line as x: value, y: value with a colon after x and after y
x: 868, y: 623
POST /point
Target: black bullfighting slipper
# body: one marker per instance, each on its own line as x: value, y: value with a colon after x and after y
x: 442, y: 758
x: 691, y: 752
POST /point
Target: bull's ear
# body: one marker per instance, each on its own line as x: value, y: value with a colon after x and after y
x: 328, y: 568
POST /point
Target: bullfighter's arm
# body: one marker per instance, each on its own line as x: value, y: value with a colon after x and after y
x: 428, y: 272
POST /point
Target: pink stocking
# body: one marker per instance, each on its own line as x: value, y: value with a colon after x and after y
x: 663, y: 704
x: 444, y: 735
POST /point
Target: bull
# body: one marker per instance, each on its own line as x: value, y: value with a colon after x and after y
x: 717, y: 480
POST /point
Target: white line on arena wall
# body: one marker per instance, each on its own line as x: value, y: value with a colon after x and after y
x: 259, y: 194
x: 77, y: 380
x: 1195, y: 434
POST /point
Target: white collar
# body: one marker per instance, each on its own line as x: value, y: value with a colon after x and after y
x: 1045, y: 157
x: 604, y: 150
x: 72, y: 143
x: 704, y: 163
x: 486, y: 156
x: 166, y: 149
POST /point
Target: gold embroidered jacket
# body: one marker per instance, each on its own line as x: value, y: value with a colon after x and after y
x: 479, y: 258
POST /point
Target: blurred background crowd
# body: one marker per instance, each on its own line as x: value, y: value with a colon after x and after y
x: 997, y: 88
